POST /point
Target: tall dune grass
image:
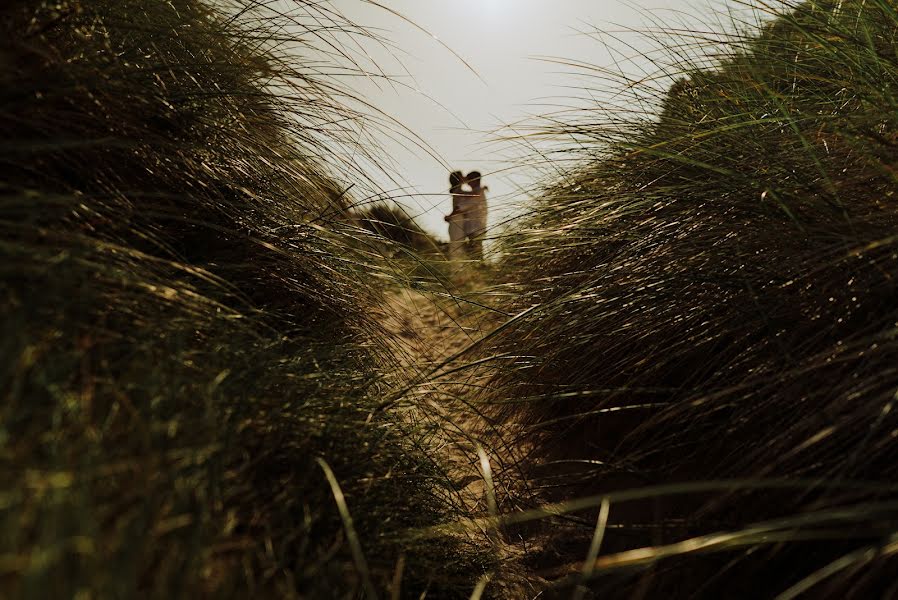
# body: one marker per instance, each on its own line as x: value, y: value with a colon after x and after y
x: 199, y: 398
x: 706, y: 338
x: 190, y: 361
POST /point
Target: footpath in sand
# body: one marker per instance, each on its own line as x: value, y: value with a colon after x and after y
x: 436, y: 335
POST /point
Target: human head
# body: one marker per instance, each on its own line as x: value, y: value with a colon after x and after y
x: 473, y: 179
x: 455, y: 179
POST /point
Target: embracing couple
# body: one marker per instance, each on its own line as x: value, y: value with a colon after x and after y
x: 467, y: 222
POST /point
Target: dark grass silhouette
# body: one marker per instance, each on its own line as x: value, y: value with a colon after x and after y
x: 394, y: 224
x: 712, y: 298
x: 198, y: 398
x: 190, y: 363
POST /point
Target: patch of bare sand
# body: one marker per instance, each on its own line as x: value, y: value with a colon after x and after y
x: 436, y: 335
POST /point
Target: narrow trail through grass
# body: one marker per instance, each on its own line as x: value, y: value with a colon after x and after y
x: 227, y: 374
x: 437, y: 332
x: 431, y: 329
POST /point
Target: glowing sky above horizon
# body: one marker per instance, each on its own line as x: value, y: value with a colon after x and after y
x: 462, y: 70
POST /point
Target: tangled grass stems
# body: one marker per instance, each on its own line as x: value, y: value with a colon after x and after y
x: 709, y: 296
x: 188, y: 314
x: 697, y: 380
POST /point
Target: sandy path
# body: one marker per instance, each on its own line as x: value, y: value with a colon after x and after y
x: 430, y: 330
x: 432, y: 333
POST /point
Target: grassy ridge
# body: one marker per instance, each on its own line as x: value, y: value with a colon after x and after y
x: 187, y: 319
x: 712, y: 298
x: 702, y: 369
x: 393, y: 223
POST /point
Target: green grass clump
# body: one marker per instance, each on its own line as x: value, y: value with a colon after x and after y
x: 711, y: 297
x: 191, y: 364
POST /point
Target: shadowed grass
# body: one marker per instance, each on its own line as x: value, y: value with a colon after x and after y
x: 695, y: 395
x: 187, y: 317
x: 710, y: 295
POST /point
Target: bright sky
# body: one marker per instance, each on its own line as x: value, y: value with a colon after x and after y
x: 457, y: 112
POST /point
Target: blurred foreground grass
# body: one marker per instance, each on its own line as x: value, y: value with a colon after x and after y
x: 190, y: 361
x: 709, y: 300
x: 694, y: 396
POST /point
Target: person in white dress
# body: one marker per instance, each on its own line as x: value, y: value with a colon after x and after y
x: 456, y: 218
x: 475, y: 211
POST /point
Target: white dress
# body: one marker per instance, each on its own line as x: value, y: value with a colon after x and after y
x: 475, y: 214
x: 456, y: 229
